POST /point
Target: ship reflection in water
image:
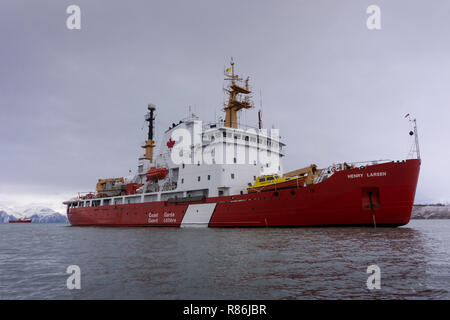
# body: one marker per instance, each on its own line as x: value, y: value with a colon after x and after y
x: 240, y: 263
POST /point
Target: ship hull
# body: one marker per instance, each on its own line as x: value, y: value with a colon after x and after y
x: 20, y: 221
x: 381, y: 195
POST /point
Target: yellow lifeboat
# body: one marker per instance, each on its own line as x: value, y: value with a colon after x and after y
x: 274, y: 181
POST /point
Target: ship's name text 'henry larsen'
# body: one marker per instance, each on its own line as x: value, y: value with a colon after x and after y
x: 368, y: 175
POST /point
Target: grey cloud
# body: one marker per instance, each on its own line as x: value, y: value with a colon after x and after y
x: 72, y: 102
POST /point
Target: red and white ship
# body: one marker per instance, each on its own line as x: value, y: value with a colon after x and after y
x: 208, y: 175
x: 21, y: 220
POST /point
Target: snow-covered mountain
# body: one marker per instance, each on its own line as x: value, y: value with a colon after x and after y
x: 45, y: 215
x: 5, y: 217
x: 38, y: 214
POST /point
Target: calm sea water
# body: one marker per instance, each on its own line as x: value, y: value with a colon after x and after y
x: 166, y: 263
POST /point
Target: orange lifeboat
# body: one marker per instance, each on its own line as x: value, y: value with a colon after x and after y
x: 156, y: 173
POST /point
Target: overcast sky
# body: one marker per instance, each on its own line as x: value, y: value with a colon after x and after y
x: 72, y: 102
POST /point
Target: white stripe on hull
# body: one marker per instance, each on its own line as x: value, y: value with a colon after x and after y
x: 198, y: 215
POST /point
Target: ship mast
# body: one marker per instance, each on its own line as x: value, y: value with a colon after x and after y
x: 415, y: 148
x: 236, y: 98
x: 150, y: 143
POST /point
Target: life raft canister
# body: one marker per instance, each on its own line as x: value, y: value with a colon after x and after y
x: 156, y: 173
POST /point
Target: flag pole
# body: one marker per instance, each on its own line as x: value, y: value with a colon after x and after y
x: 416, y: 134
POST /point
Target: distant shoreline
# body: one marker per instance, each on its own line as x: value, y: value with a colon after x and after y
x: 431, y: 211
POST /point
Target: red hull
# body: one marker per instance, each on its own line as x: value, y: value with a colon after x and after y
x: 20, y: 221
x: 343, y: 199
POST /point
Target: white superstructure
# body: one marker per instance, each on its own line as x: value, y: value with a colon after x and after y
x: 224, y: 160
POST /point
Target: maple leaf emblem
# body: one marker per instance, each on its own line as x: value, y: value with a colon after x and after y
x: 170, y: 143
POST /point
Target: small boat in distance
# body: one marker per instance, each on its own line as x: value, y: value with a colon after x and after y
x: 21, y: 220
